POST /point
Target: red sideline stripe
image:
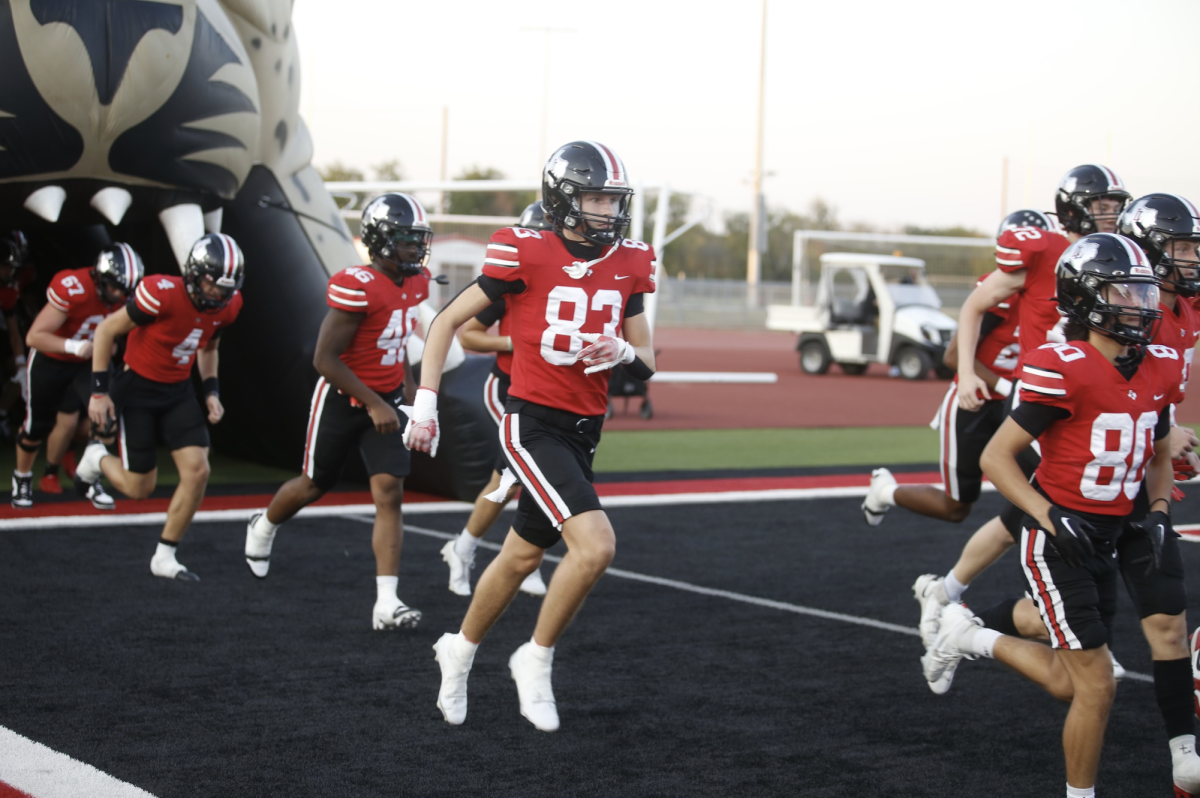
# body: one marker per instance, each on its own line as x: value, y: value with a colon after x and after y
x: 8, y: 791
x: 663, y: 488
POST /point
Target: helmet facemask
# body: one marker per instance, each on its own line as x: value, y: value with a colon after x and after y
x: 598, y: 228
x: 1179, y: 266
x: 1127, y: 312
x: 406, y: 248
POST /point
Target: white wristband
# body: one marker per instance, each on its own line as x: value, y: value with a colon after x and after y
x: 72, y: 346
x: 1003, y: 386
x: 629, y: 354
x: 424, y: 405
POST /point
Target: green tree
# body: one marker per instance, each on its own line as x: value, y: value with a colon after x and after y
x: 388, y: 170
x: 487, y: 203
x: 338, y: 171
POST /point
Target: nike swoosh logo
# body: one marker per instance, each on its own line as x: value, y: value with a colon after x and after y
x: 626, y: 277
x: 1158, y: 396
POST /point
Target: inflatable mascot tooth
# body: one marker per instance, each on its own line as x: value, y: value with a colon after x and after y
x: 155, y: 121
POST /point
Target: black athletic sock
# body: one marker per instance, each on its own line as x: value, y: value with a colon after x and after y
x: 1173, y: 688
x: 51, y: 469
x: 1000, y: 617
x: 170, y: 543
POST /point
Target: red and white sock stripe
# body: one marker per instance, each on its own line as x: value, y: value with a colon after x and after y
x: 1048, y: 598
x: 531, y: 476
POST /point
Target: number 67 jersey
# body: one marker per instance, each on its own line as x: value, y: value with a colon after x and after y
x: 563, y: 297
x: 1095, y: 460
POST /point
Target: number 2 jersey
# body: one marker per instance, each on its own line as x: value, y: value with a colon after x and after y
x: 1094, y: 460
x: 74, y: 293
x: 555, y: 307
x: 170, y: 330
x: 376, y: 353
x: 1037, y: 252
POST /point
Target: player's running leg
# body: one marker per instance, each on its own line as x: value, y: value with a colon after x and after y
x: 387, y: 541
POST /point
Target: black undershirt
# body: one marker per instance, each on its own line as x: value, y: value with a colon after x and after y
x: 1036, y: 418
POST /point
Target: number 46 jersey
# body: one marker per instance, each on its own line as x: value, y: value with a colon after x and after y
x: 164, y: 348
x: 376, y: 353
x: 562, y: 298
x: 1095, y: 460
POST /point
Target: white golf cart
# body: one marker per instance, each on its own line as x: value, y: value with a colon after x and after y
x: 869, y: 309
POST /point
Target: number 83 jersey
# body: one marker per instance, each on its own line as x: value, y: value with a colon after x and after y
x: 170, y: 330
x: 1095, y: 460
x: 563, y: 297
x: 376, y: 353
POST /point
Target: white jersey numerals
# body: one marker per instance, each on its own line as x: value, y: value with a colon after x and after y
x: 187, y: 348
x: 73, y: 286
x: 1130, y: 437
x: 395, y: 335
x: 88, y: 329
x: 360, y: 274
x: 1027, y: 233
x: 578, y: 299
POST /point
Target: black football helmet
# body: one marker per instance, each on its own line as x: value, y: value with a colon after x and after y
x: 586, y: 167
x: 1154, y: 222
x: 534, y: 218
x: 216, y: 259
x: 395, y: 229
x: 1076, y: 191
x: 10, y: 262
x: 118, y: 268
x: 1106, y: 283
x: 1024, y: 218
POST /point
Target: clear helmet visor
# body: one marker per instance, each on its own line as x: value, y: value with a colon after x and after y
x: 1135, y: 296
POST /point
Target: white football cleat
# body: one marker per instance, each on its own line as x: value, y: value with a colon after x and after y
x: 530, y: 669
x: 873, y: 507
x: 533, y: 584
x: 394, y: 615
x: 88, y: 469
x: 1195, y: 652
x: 452, y: 695
x: 1118, y: 668
x: 1185, y: 765
x: 99, y: 498
x: 170, y: 568
x: 941, y: 660
x: 258, y: 547
x: 930, y: 592
x: 22, y: 492
x: 460, y: 569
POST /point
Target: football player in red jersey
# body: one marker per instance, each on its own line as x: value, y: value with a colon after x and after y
x: 15, y: 274
x: 569, y: 294
x: 171, y: 322
x: 1088, y: 199
x: 60, y: 358
x: 1100, y: 404
x: 459, y: 553
x: 360, y: 356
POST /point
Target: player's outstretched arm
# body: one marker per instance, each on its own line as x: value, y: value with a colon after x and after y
x: 995, y: 289
x: 999, y: 462
x: 41, y: 335
x: 100, y: 408
x: 336, y: 333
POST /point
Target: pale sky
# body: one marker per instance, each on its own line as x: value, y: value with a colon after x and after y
x: 896, y: 113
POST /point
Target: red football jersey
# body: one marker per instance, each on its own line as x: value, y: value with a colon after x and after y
x: 1037, y: 252
x: 164, y: 349
x: 1179, y: 330
x: 74, y: 293
x: 9, y: 294
x: 376, y: 353
x: 1095, y: 460
x: 555, y: 307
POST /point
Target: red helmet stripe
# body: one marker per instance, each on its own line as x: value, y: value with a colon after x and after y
x: 227, y: 245
x: 1191, y: 209
x: 418, y: 211
x: 611, y: 162
x: 1113, y: 180
x: 1136, y: 256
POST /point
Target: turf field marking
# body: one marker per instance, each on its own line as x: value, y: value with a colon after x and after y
x: 42, y: 772
x: 688, y: 587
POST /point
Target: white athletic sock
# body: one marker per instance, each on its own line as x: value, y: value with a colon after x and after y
x: 465, y: 543
x: 466, y: 648
x: 26, y: 475
x: 954, y: 588
x: 983, y: 643
x: 888, y: 496
x: 264, y: 527
x: 164, y: 552
x: 1081, y: 792
x: 385, y: 588
x: 543, y: 652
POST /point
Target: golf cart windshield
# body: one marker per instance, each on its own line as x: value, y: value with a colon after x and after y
x: 908, y: 286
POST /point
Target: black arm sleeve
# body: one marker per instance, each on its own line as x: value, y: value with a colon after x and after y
x: 636, y: 306
x: 138, y: 315
x: 1035, y: 418
x: 492, y: 313
x: 497, y: 288
x: 1163, y: 428
x: 638, y: 370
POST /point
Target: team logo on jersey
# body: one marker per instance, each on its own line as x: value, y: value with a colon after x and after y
x: 1133, y: 396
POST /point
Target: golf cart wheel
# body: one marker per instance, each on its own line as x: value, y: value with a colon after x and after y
x: 854, y: 369
x: 814, y: 357
x: 913, y: 363
x: 647, y: 411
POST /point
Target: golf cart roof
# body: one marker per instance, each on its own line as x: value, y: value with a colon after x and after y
x: 863, y: 259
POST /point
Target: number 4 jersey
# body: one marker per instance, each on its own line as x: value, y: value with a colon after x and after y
x: 376, y: 353
x: 170, y: 330
x: 1094, y: 461
x: 563, y: 297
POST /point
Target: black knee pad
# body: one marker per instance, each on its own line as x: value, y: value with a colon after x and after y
x: 26, y: 443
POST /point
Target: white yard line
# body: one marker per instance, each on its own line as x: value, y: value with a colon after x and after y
x: 44, y: 773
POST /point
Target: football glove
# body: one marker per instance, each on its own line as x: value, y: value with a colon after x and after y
x: 1184, y: 468
x: 1071, y: 536
x: 22, y: 378
x: 1156, y: 526
x: 604, y: 352
x: 422, y: 431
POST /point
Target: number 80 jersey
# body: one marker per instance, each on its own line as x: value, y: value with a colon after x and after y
x: 556, y: 306
x: 1095, y: 460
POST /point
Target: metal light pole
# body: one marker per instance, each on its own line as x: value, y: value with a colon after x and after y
x: 542, y: 153
x: 753, y: 260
